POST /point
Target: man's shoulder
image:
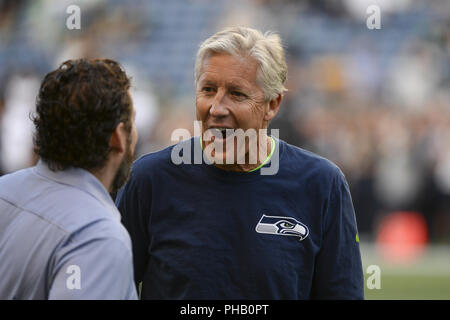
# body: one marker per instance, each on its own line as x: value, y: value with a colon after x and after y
x: 14, y: 179
x: 19, y: 187
x: 152, y: 158
x: 162, y: 159
x: 299, y: 159
x: 62, y: 212
x: 101, y: 229
x: 62, y: 206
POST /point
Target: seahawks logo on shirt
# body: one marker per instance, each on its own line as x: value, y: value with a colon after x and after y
x: 282, y: 226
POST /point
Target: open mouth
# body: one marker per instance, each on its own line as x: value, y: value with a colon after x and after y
x: 220, y: 133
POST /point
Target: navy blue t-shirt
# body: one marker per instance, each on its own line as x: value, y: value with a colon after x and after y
x: 200, y: 232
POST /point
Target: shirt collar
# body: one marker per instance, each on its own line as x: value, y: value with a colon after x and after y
x: 82, y: 180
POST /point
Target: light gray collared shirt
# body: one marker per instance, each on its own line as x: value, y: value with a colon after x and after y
x: 61, y: 238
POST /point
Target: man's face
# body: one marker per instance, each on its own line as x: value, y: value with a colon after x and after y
x: 228, y: 96
x: 123, y: 172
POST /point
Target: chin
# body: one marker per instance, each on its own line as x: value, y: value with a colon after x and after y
x: 220, y: 156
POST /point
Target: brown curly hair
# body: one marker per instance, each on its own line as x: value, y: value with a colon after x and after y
x: 78, y: 107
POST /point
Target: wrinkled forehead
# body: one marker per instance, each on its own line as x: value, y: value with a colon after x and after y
x: 231, y: 68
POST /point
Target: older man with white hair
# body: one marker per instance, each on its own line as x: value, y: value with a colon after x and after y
x: 227, y: 227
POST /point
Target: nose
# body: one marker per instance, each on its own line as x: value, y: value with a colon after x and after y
x: 219, y: 107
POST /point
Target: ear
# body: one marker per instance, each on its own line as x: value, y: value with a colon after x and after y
x: 118, y: 138
x: 272, y: 110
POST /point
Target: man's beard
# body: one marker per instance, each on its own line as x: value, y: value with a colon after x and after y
x: 123, y: 173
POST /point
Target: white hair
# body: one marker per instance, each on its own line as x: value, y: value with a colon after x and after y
x: 265, y: 48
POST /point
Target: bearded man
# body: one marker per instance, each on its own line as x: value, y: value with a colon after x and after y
x: 60, y: 232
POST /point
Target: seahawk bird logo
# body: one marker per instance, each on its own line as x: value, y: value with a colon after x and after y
x: 283, y: 226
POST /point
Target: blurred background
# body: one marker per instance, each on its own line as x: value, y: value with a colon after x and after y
x: 375, y: 102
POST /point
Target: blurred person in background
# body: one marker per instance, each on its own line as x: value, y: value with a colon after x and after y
x: 16, y: 128
x: 229, y: 231
x: 60, y: 232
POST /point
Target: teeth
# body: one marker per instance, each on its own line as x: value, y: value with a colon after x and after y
x: 226, y: 132
x: 221, y: 129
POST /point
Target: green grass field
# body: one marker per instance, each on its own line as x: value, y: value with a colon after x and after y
x: 428, y: 278
x: 406, y: 287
